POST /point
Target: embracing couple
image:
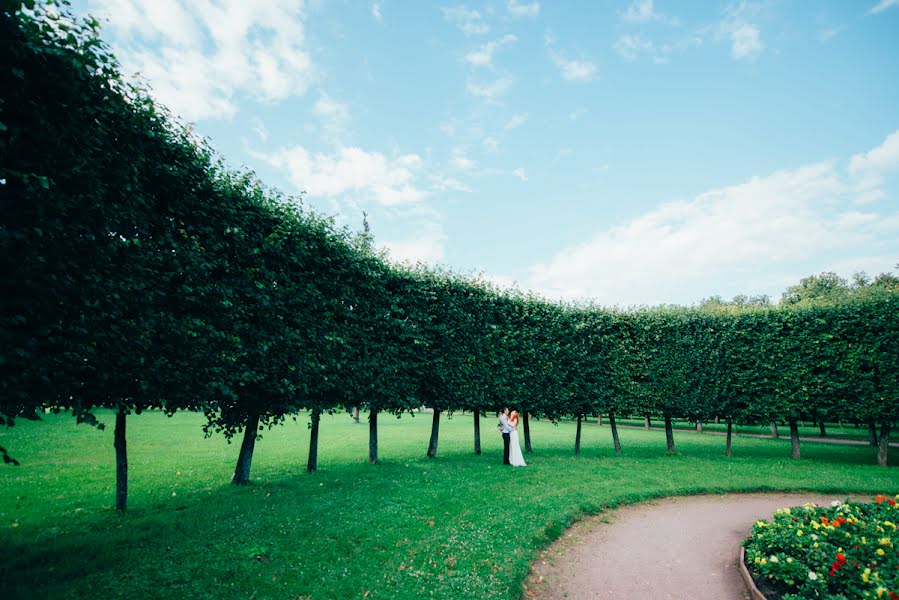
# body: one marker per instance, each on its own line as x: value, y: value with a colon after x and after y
x: 508, y: 426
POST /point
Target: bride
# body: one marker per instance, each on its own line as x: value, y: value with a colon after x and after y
x: 516, y: 459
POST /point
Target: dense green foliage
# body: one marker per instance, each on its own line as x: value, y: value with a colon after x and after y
x: 459, y: 525
x: 847, y: 550
x: 140, y: 273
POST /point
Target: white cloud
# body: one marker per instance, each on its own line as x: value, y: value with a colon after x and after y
x: 745, y: 42
x: 869, y: 169
x: 503, y: 282
x: 516, y: 9
x: 884, y: 157
x: 442, y: 183
x: 483, y: 56
x: 882, y: 6
x: 460, y: 161
x: 329, y: 108
x: 376, y: 12
x: 259, y: 129
x: 825, y: 35
x: 629, y: 47
x: 642, y: 11
x: 574, y: 70
x: 491, y: 91
x: 491, y: 144
x: 334, y: 116
x: 732, y: 238
x: 516, y: 121
x: 428, y: 246
x: 570, y: 69
x: 520, y: 173
x: 468, y: 20
x: 198, y: 57
x: 352, y: 171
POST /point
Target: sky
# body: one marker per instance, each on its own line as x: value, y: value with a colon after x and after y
x: 626, y: 153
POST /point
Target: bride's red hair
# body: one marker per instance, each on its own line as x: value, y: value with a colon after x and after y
x: 513, y: 416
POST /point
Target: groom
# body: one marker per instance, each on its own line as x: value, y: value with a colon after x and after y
x: 505, y: 430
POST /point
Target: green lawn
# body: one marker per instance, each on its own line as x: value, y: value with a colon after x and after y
x: 458, y: 526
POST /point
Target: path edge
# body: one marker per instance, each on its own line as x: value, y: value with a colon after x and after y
x: 753, y: 591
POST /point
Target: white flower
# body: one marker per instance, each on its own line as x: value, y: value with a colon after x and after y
x: 774, y: 559
x: 812, y: 575
x: 835, y: 503
x: 814, y: 537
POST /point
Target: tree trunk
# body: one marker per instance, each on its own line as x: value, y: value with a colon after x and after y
x: 312, y: 463
x: 717, y: 420
x: 245, y: 458
x: 614, y: 428
x: 646, y: 423
x: 527, y: 434
x: 794, y: 438
x: 821, y: 429
x: 699, y: 426
x: 872, y: 432
x: 577, y: 437
x: 435, y: 433
x: 669, y: 434
x: 599, y: 419
x: 729, y: 430
x: 356, y: 414
x: 121, y: 462
x: 477, y: 432
x: 373, y: 437
x: 883, y: 448
x: 774, y: 432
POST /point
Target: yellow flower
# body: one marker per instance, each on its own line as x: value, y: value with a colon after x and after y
x: 815, y: 544
x: 764, y: 561
x: 884, y: 541
x: 757, y: 559
x: 864, y: 540
x: 881, y: 591
x: 799, y: 533
x: 789, y: 559
x: 880, y: 552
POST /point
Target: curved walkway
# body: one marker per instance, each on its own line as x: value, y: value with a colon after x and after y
x: 674, y: 548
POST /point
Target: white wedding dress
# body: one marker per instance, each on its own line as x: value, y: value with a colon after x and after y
x: 516, y: 458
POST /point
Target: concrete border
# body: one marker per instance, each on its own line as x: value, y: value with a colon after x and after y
x: 754, y: 592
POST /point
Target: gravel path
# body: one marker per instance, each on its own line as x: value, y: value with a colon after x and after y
x: 680, y: 548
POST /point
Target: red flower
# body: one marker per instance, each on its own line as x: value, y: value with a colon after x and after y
x: 879, y: 498
x: 891, y: 503
x: 841, y: 558
x: 894, y: 596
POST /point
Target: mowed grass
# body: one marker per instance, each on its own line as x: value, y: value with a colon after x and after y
x: 458, y: 526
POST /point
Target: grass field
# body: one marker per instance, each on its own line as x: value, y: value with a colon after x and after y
x: 458, y: 526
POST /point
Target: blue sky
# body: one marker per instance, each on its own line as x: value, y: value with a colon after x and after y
x: 626, y: 152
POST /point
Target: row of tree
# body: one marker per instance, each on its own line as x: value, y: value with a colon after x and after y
x: 138, y: 273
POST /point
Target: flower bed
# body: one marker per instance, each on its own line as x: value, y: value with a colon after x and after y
x: 846, y: 550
